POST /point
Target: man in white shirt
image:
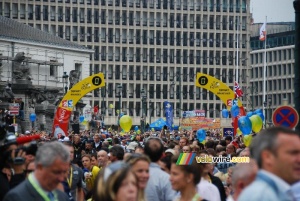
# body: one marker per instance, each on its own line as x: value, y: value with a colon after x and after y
x: 208, y: 191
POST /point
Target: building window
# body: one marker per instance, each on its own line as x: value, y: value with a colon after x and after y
x: 53, y: 70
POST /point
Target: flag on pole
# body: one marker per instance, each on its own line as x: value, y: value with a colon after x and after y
x: 237, y: 90
x: 96, y: 109
x: 262, y: 32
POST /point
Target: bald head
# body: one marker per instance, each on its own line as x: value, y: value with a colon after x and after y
x: 242, y: 176
x: 102, y: 158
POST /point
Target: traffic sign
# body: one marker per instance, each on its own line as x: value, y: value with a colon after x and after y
x: 285, y: 116
x: 13, y: 108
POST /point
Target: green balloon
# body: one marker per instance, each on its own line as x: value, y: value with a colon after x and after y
x: 257, y: 123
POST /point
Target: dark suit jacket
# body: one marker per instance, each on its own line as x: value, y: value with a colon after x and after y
x: 218, y: 183
x: 25, y: 191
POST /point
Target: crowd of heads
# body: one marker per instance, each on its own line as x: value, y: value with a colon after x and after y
x: 117, y: 168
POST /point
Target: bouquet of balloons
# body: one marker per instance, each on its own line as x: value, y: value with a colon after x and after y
x: 252, y: 122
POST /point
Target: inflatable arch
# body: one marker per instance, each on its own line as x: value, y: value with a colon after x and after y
x: 65, y: 108
x: 218, y: 88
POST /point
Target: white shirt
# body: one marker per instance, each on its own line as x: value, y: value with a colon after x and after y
x: 208, y: 191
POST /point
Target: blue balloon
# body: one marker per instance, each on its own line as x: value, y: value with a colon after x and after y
x: 81, y: 118
x: 245, y: 125
x: 225, y: 113
x: 261, y: 115
x: 136, y: 128
x: 32, y: 117
x: 235, y: 110
x: 258, y: 111
x: 121, y: 114
x: 201, y: 135
x: 249, y: 114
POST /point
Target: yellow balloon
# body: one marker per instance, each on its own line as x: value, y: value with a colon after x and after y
x: 84, y: 122
x: 138, y: 132
x: 152, y: 129
x: 111, y: 106
x: 238, y: 131
x: 179, y: 128
x: 118, y: 111
x: 247, y: 140
x: 126, y: 123
x: 203, y: 142
x: 257, y: 123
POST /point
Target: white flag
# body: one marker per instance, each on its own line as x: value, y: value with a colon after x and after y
x: 262, y: 32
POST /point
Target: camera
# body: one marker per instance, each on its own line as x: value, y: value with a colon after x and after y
x: 88, y: 174
x: 10, y: 139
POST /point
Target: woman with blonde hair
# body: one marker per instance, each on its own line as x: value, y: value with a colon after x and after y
x: 139, y: 164
x: 116, y: 182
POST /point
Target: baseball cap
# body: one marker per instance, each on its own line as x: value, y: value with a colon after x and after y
x: 172, y: 151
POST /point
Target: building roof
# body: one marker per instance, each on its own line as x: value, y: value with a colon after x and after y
x: 11, y: 29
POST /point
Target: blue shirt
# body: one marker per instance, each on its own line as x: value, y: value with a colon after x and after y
x: 266, y: 187
x: 296, y: 190
x: 159, y: 186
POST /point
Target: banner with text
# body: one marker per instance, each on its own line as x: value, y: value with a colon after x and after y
x: 194, y: 120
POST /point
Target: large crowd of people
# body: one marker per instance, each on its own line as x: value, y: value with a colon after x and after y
x: 107, y: 166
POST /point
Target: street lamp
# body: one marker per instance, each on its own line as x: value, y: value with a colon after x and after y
x: 144, y: 98
x: 270, y: 102
x: 65, y: 81
x: 119, y: 90
x: 103, y: 105
x: 150, y: 110
x: 266, y: 115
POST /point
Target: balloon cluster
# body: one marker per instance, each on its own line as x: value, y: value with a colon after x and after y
x: 252, y: 122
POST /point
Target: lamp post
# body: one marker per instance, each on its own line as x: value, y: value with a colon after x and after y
x: 103, y: 108
x: 266, y: 115
x: 150, y: 111
x: 65, y: 81
x: 144, y: 98
x: 119, y: 87
x: 270, y: 111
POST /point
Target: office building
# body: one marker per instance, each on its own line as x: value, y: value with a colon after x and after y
x: 150, y: 46
x: 280, y: 60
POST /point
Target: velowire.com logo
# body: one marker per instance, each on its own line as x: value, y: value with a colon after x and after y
x: 187, y: 159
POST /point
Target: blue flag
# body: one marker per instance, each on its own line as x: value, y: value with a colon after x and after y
x: 169, y: 114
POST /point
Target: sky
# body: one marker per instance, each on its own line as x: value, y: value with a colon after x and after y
x: 275, y: 10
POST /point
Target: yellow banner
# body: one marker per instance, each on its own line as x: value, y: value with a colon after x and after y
x: 218, y: 88
x: 81, y: 89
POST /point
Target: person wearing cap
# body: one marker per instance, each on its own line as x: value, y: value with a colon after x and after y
x: 170, y: 152
x: 131, y: 147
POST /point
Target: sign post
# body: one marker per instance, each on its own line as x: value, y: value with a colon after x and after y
x: 285, y: 116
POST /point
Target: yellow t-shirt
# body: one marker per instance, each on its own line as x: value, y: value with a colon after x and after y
x: 90, y: 182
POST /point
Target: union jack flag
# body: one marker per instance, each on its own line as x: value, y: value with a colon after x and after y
x: 237, y: 90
